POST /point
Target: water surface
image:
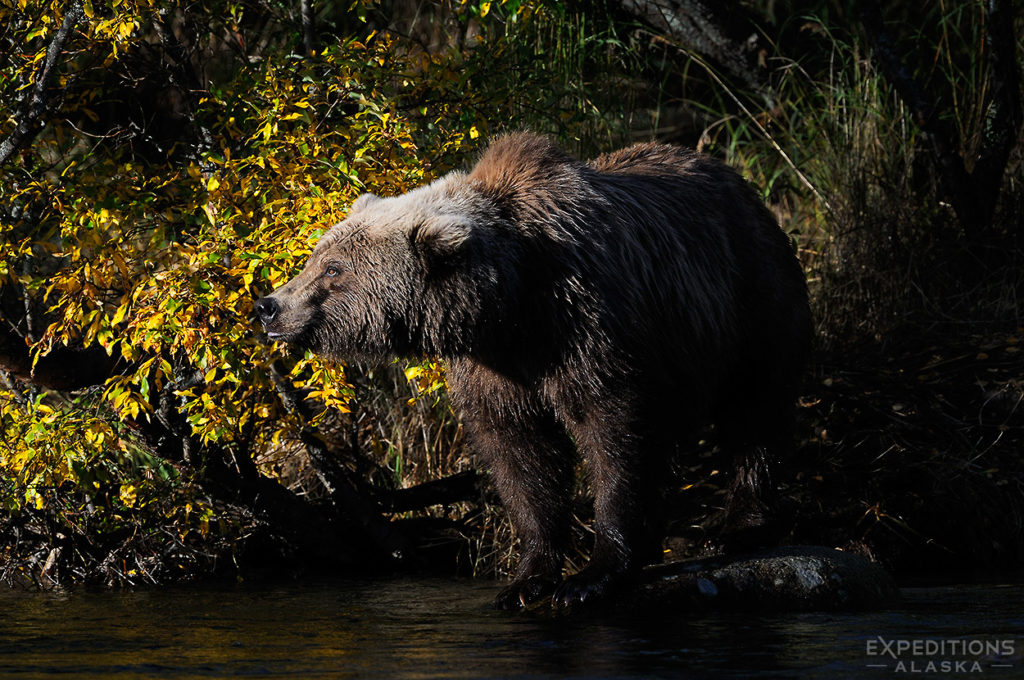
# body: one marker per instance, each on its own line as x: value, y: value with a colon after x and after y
x: 434, y: 628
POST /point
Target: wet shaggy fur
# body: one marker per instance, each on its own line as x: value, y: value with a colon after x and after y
x: 605, y: 309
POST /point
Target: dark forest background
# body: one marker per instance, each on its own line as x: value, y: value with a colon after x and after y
x: 164, y: 164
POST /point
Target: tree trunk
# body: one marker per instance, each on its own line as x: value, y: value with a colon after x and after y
x: 973, y: 193
x: 718, y: 31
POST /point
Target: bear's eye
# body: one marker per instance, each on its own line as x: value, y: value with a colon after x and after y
x: 332, y: 271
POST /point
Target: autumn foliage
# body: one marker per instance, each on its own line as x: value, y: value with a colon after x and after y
x: 186, y: 161
x: 164, y: 164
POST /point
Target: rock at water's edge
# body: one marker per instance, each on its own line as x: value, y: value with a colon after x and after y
x: 791, y: 578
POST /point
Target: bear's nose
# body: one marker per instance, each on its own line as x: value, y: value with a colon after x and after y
x: 267, y: 308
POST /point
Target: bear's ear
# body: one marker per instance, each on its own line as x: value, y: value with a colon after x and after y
x: 440, y: 239
x: 363, y: 201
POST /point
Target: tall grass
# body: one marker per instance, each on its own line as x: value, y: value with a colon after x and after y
x: 852, y: 178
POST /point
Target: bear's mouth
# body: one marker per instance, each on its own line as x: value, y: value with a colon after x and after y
x: 295, y: 332
x: 275, y: 331
x: 283, y: 336
x: 291, y: 337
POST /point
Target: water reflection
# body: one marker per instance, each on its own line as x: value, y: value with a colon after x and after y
x: 445, y: 629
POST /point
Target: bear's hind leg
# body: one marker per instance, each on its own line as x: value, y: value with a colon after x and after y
x: 622, y: 478
x: 759, y: 436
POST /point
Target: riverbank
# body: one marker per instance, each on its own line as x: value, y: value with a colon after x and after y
x: 909, y: 454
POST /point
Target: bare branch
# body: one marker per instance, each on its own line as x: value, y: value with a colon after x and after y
x: 462, y: 486
x: 708, y: 28
x: 29, y: 121
x: 308, y: 33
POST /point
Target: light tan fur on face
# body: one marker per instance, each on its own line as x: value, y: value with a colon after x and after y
x: 440, y: 213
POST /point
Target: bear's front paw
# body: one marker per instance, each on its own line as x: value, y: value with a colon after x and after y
x: 586, y: 587
x: 523, y: 593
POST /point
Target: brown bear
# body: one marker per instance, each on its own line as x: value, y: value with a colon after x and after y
x: 609, y: 309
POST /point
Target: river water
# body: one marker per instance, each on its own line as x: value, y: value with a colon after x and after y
x: 434, y: 628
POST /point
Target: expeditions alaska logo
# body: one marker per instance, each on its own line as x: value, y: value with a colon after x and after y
x: 940, y: 655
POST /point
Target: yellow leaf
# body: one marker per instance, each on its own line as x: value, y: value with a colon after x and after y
x: 119, y: 314
x: 128, y: 495
x: 212, y: 184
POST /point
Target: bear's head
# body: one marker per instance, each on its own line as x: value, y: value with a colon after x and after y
x: 410, y: 275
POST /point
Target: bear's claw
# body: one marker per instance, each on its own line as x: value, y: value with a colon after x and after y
x: 526, y: 592
x: 584, y: 588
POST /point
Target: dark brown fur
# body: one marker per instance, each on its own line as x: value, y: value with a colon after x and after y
x: 607, y: 309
